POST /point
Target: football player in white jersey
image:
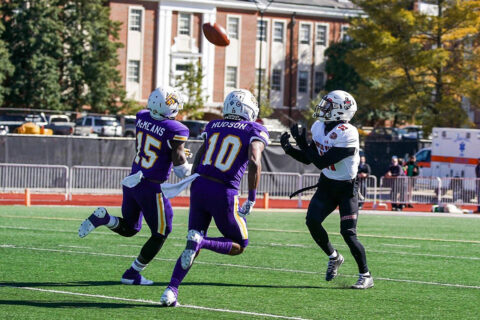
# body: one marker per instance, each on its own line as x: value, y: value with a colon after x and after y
x: 335, y: 151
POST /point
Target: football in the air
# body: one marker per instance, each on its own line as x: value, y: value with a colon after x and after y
x: 215, y: 34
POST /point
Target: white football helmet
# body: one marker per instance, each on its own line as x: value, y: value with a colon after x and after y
x: 240, y: 104
x: 164, y: 103
x: 336, y: 105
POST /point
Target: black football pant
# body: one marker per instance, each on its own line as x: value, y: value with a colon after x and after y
x: 330, y: 194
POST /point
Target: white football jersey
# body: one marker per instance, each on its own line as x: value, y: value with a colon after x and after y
x: 343, y: 135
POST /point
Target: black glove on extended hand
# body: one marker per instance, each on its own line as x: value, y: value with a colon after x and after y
x: 286, y: 146
x: 300, y: 138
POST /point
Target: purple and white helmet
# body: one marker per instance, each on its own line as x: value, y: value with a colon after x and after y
x: 164, y: 103
x: 240, y: 104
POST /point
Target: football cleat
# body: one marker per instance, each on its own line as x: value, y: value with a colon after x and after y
x: 135, y: 278
x: 194, y: 238
x: 98, y: 218
x: 363, y: 282
x: 169, y: 298
x: 332, y: 267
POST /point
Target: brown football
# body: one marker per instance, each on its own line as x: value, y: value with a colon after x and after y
x: 215, y: 34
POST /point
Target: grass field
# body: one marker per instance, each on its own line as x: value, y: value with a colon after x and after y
x: 424, y: 268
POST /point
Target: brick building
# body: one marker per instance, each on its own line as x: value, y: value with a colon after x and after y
x: 286, y: 43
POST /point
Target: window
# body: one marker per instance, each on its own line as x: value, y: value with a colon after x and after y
x: 136, y: 20
x: 276, y: 79
x: 262, y: 30
x: 303, y: 81
x: 184, y: 23
x: 133, y: 72
x: 181, y: 67
x: 345, y: 36
x: 305, y: 33
x: 232, y: 27
x: 88, y: 122
x: 321, y: 35
x: 318, y: 81
x: 278, y: 31
x: 231, y: 77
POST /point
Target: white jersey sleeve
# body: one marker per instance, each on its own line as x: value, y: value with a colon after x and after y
x: 346, y: 136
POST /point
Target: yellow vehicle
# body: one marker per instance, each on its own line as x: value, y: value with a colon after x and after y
x: 32, y: 128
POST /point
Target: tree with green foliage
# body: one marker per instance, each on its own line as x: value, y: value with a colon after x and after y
x: 190, y: 84
x: 265, y: 105
x: 33, y: 36
x: 341, y: 75
x: 417, y: 66
x: 89, y: 73
x: 64, y: 54
x: 6, y: 68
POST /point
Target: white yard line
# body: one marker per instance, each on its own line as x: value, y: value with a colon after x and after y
x: 11, y: 246
x: 249, y: 313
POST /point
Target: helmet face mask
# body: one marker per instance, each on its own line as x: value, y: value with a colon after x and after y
x: 164, y: 103
x: 240, y: 104
x: 337, y: 105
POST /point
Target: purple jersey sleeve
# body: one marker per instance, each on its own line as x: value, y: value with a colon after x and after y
x: 226, y: 149
x: 153, y: 145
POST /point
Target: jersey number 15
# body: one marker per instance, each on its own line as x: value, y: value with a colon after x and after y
x: 149, y: 156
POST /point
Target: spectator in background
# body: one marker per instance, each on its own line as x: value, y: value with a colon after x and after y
x: 477, y: 174
x: 395, y: 171
x: 412, y: 170
x: 364, y: 171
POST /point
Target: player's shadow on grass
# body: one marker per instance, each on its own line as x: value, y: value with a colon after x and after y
x: 269, y: 286
x: 62, y: 284
x: 70, y: 304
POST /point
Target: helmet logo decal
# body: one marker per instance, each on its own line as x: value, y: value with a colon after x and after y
x: 347, y: 103
x: 171, y: 99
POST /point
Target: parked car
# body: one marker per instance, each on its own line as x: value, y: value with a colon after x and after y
x: 414, y: 132
x: 385, y: 134
x: 196, y: 127
x: 98, y: 126
x: 129, y: 126
x: 60, y: 124
x: 13, y: 120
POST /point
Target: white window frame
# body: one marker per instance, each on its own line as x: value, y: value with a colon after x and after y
x: 265, y: 30
x: 130, y: 77
x: 306, y: 84
x: 326, y: 26
x: 130, y: 16
x: 300, y: 34
x: 277, y: 86
x: 227, y: 84
x: 275, y: 38
x: 190, y: 26
x: 238, y: 26
x: 343, y: 32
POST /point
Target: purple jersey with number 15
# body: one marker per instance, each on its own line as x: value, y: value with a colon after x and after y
x: 226, y: 149
x: 154, y: 152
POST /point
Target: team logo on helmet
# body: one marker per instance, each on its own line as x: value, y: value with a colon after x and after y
x: 171, y: 99
x: 347, y: 103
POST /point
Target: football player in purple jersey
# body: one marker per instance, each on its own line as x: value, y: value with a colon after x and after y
x: 160, y: 146
x: 230, y: 145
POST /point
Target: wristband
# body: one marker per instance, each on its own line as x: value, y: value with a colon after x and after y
x: 252, y: 195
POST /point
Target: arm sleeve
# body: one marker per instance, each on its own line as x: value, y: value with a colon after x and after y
x: 369, y: 170
x: 332, y: 156
x: 298, y: 155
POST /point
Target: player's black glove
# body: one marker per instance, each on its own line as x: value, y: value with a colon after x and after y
x: 285, y: 143
x: 300, y: 138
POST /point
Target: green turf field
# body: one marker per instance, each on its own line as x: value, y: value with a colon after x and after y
x: 424, y: 268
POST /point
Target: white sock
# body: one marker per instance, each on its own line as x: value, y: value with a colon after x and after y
x: 113, y: 222
x: 366, y: 274
x: 137, y: 265
x: 334, y: 255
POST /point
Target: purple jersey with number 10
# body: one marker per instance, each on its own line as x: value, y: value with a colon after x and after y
x: 154, y: 152
x: 226, y: 149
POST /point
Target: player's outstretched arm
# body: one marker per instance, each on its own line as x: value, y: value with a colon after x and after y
x: 296, y: 154
x: 332, y: 156
x: 254, y: 171
x: 181, y: 167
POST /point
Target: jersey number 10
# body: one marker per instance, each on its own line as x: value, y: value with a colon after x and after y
x: 228, y: 151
